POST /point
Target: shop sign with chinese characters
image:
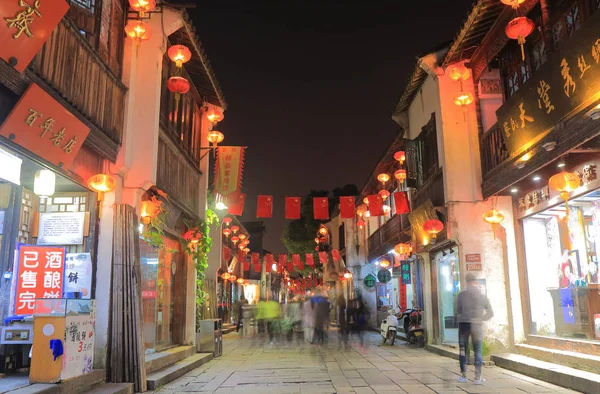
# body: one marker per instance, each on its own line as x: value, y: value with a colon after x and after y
x: 39, y: 275
x: 534, y: 198
x: 43, y: 126
x: 25, y: 25
x: 569, y: 78
x: 79, y: 345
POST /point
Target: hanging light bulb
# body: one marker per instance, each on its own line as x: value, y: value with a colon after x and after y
x: 44, y: 183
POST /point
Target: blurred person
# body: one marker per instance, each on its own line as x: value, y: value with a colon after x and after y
x: 320, y: 304
x: 269, y: 312
x: 358, y: 317
x: 342, y: 322
x: 243, y: 301
x: 308, y: 320
x: 294, y: 314
x: 473, y: 308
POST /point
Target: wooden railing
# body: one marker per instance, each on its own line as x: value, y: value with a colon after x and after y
x: 432, y: 189
x: 492, y: 148
x: 388, y: 235
x: 72, y: 68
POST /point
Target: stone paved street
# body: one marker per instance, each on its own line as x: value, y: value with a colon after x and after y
x: 251, y: 365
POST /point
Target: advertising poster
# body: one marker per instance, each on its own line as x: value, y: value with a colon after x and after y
x: 78, y: 274
x: 79, y: 346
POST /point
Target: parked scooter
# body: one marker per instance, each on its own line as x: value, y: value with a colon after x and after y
x: 413, y: 328
x: 389, y: 327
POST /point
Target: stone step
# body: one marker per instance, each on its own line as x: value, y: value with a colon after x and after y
x: 113, y: 388
x: 586, y: 362
x: 574, y: 379
x: 160, y: 378
x: 37, y: 388
x: 78, y: 385
x: 157, y: 361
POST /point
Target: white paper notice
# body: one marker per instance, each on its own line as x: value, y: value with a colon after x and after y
x: 61, y: 228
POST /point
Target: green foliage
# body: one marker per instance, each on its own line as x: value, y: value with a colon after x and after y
x: 153, y: 232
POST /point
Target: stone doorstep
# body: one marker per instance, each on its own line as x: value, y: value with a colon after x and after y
x: 160, y: 360
x: 581, y: 361
x: 113, y: 388
x: 178, y: 369
x: 452, y: 352
x: 78, y: 385
x: 571, y: 378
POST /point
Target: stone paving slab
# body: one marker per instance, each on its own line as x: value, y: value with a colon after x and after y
x: 250, y: 365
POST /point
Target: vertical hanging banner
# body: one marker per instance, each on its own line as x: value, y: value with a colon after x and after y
x: 235, y: 204
x: 255, y: 258
x: 347, y: 207
x: 269, y: 260
x: 310, y: 260
x: 323, y: 257
x: 321, y: 208
x: 335, y: 254
x: 264, y: 207
x: 228, y: 169
x: 401, y: 203
x: 25, y: 27
x: 297, y: 262
x: 292, y: 208
x: 375, y: 205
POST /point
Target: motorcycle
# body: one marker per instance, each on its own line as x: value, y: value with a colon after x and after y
x: 389, y: 327
x: 413, y: 328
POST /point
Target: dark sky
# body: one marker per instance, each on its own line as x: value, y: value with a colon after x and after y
x: 311, y: 85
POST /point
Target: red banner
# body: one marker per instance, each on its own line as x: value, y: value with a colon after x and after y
x: 25, y: 27
x: 226, y: 253
x: 323, y: 257
x: 246, y: 266
x: 235, y: 204
x: 264, y: 207
x: 255, y: 258
x: 290, y: 267
x: 39, y: 275
x: 403, y: 295
x: 335, y: 254
x: 292, y: 208
x: 228, y: 169
x: 401, y: 203
x: 375, y: 205
x: 347, y: 208
x: 310, y: 260
x: 282, y: 260
x: 240, y: 256
x: 256, y: 267
x: 269, y: 260
x: 321, y: 208
x: 42, y: 125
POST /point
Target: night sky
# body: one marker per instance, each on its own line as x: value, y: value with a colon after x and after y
x: 311, y: 86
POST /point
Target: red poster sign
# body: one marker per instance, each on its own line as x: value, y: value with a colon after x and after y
x: 39, y: 275
x: 403, y: 296
x: 43, y: 126
x: 25, y: 25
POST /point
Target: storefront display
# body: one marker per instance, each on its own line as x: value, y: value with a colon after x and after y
x: 448, y: 287
x: 562, y: 249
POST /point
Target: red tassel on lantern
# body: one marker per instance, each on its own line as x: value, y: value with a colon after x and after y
x: 518, y: 29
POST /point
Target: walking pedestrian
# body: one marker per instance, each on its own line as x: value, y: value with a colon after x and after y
x: 308, y: 320
x: 240, y: 315
x: 342, y: 321
x: 320, y: 304
x: 473, y: 308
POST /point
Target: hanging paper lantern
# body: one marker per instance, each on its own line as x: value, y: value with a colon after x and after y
x: 235, y: 240
x: 400, y: 156
x: 433, y: 227
x: 227, y: 221
x: 179, y: 54
x: 147, y: 211
x: 240, y: 281
x: 384, y: 194
x: 323, y: 240
x: 367, y: 214
x: 400, y: 175
x: 214, y: 116
x: 361, y: 224
x: 463, y: 99
x: 460, y: 73
x: 246, y: 250
x: 241, y: 246
x: 232, y: 278
x: 403, y: 249
x: 518, y: 29
x: 138, y: 31
x: 323, y: 230
x: 243, y: 236
x: 102, y: 183
x: 513, y: 3
x: 227, y: 232
x: 235, y: 229
x: 493, y: 217
x: 44, y: 183
x: 317, y: 248
x: 565, y: 183
x: 192, y: 236
x: 384, y: 263
x: 362, y: 208
x: 347, y: 274
x: 225, y: 276
x: 387, y: 209
x: 383, y: 177
x: 317, y: 240
x: 215, y: 137
x: 179, y: 86
x: 142, y: 6
x: 366, y: 201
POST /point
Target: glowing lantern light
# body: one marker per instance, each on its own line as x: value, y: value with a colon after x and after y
x: 246, y: 250
x: 179, y: 86
x: 227, y: 221
x: 138, y: 31
x: 142, y: 6
x: 179, y: 54
x: 323, y: 230
x: 243, y: 236
x: 323, y: 240
x: 433, y: 227
x: 362, y: 208
x: 317, y: 240
x: 317, y: 248
x: 235, y: 229
x: 102, y: 183
x: 518, y: 29
x: 400, y: 175
x: 347, y: 274
x: 383, y: 177
x: 192, y: 236
x: 44, y: 183
x: 227, y: 232
x: 387, y: 209
x: 460, y: 73
x: 215, y: 137
x: 232, y: 278
x: 463, y: 99
x: 241, y: 246
x: 367, y: 214
x: 366, y: 200
x: 384, y: 194
x: 240, y: 281
x: 565, y: 183
x: 225, y: 276
x: 400, y: 156
x: 361, y: 224
x: 493, y: 217
x: 215, y: 116
x: 235, y: 240
x: 513, y: 3
x: 384, y: 263
x: 147, y: 211
x: 402, y: 248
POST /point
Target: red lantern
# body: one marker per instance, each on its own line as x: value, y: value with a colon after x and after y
x: 214, y: 116
x: 192, y: 236
x: 384, y: 194
x: 235, y: 240
x: 227, y: 221
x: 227, y: 232
x: 433, y: 227
x: 323, y: 240
x: 142, y: 6
x: 400, y: 156
x: 179, y: 54
x: 518, y: 29
x: 178, y: 85
x: 361, y: 224
x: 400, y: 175
x: 138, y: 31
x: 235, y: 229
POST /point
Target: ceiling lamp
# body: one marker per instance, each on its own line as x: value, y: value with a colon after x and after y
x: 227, y: 232
x: 147, y: 211
x: 44, y: 183
x: 384, y: 263
x: 225, y: 276
x: 179, y: 86
x: 400, y: 156
x: 235, y: 239
x: 565, y: 183
x: 518, y: 29
x: 215, y: 137
x: 138, y: 31
x: 384, y: 194
x: 513, y: 3
x: 463, y: 99
x: 400, y: 175
x: 142, y: 6
x: 179, y: 54
x: 214, y: 116
x: 383, y: 177
x: 459, y: 73
x: 433, y: 227
x: 494, y: 217
x: 360, y: 224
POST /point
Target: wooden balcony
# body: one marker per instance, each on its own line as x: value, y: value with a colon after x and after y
x: 492, y: 149
x: 432, y: 189
x: 388, y: 235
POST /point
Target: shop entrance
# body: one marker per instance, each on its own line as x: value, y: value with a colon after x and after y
x: 448, y: 285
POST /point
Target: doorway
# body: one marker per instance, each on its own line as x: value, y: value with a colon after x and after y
x: 448, y: 284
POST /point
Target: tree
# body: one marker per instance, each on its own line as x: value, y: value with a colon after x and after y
x: 299, y: 235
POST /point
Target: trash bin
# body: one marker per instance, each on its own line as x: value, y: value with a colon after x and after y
x: 209, y: 338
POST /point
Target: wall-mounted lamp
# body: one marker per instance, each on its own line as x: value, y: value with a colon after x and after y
x: 102, y: 183
x: 44, y: 183
x: 549, y: 146
x: 594, y: 113
x: 522, y: 161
